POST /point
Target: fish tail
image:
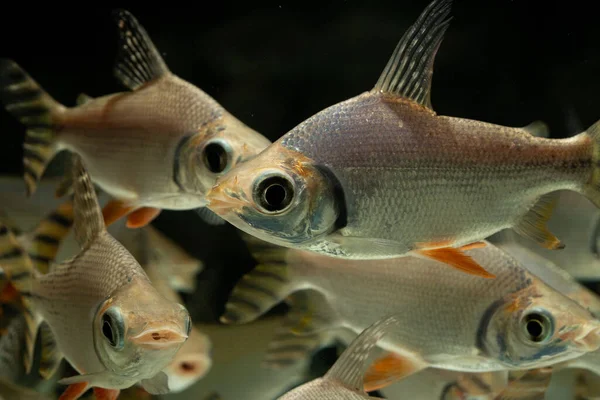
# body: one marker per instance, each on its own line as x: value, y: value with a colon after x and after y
x: 16, y: 266
x: 46, y: 238
x: 38, y: 111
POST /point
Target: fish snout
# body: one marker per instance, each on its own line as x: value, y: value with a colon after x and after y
x: 221, y: 203
x: 159, y: 338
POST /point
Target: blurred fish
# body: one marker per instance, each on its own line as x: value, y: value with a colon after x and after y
x: 108, y: 321
x: 449, y: 320
x: 577, y: 222
x: 381, y: 175
x: 344, y: 381
x: 161, y: 146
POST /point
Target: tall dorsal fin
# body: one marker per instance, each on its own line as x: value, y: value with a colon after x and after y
x: 138, y: 60
x: 409, y: 71
x: 89, y: 222
x: 352, y: 365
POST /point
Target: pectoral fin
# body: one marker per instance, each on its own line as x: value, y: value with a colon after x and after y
x: 158, y: 384
x: 74, y: 391
x: 142, y: 217
x: 389, y: 369
x: 106, y: 394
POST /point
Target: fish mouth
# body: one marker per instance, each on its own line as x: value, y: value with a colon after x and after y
x: 159, y: 338
x: 589, y: 341
x: 221, y: 203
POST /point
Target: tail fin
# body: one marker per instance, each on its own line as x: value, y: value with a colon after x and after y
x: 39, y: 112
x: 89, y: 222
x: 51, y: 357
x: 18, y: 269
x: 262, y: 288
x: 592, y: 187
x: 44, y: 241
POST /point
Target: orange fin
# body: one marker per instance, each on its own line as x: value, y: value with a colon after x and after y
x: 142, y: 217
x: 533, y: 225
x: 115, y: 210
x: 8, y: 294
x: 387, y: 370
x: 75, y: 391
x: 471, y: 246
x: 106, y: 394
x: 457, y: 259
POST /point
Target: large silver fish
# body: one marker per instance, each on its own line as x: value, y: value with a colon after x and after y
x: 108, y: 321
x: 161, y: 146
x: 382, y: 175
x: 344, y: 381
x: 449, y: 320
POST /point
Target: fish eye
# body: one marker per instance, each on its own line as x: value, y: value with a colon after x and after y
x: 537, y: 327
x: 274, y: 193
x: 113, y: 328
x: 216, y: 156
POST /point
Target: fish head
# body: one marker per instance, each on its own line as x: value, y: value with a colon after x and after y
x: 538, y: 326
x: 219, y: 147
x: 137, y: 332
x: 191, y: 363
x: 281, y: 196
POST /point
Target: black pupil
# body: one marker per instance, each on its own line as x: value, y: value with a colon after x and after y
x: 107, y: 330
x: 275, y: 193
x: 535, y: 329
x: 215, y: 157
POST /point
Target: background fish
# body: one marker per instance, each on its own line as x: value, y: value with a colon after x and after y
x: 517, y: 321
x: 131, y: 333
x: 160, y: 146
x: 345, y: 379
x: 381, y: 175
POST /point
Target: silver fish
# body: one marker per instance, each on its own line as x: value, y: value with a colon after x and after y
x: 108, y: 321
x: 449, y: 320
x: 160, y: 146
x: 381, y: 175
x: 344, y: 381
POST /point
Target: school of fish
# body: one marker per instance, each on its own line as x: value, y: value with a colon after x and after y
x: 439, y: 257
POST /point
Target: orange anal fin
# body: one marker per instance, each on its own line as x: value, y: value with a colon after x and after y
x: 457, y: 259
x: 387, y: 370
x: 115, y: 210
x: 74, y: 391
x: 471, y: 246
x: 106, y: 394
x: 142, y: 217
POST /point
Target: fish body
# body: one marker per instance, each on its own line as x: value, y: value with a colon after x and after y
x: 381, y: 175
x: 449, y: 320
x: 160, y: 146
x: 107, y: 319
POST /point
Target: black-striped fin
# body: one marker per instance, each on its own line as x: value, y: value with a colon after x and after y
x: 264, y: 252
x: 287, y: 349
x: 256, y: 293
x: 409, y: 71
x: 11, y: 349
x: 352, y: 365
x: 51, y: 357
x: 10, y: 223
x: 531, y: 386
x: 89, y: 222
x: 45, y: 240
x: 138, y: 61
x: 28, y: 102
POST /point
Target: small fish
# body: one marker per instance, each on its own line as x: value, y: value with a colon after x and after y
x: 344, y: 381
x: 107, y: 319
x: 160, y: 146
x: 577, y: 222
x: 449, y: 320
x: 381, y: 175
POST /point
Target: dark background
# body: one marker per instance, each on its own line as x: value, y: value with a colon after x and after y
x: 274, y: 64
